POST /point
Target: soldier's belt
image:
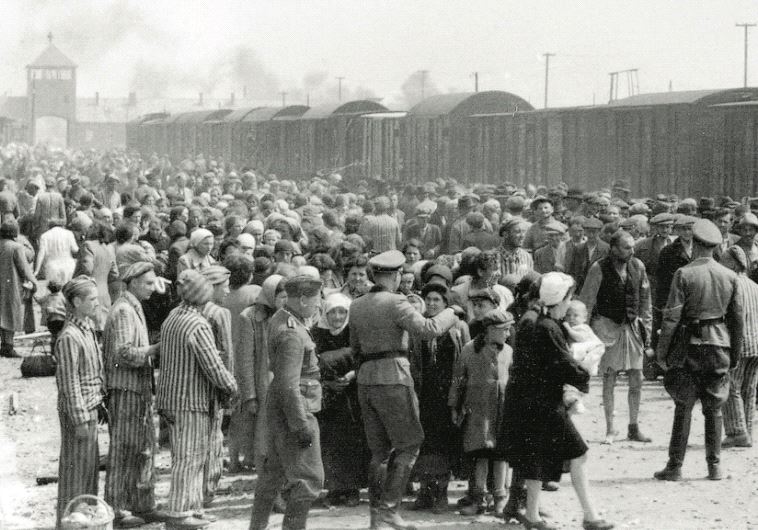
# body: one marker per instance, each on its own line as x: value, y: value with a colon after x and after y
x: 390, y: 354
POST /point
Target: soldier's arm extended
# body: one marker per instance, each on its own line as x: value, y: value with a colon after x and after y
x: 288, y: 350
x: 426, y: 328
x: 203, y: 347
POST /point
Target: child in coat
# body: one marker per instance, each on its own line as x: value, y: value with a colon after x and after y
x: 586, y: 348
x: 476, y: 401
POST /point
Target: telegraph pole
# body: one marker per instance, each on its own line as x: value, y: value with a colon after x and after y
x: 547, y: 56
x: 423, y: 82
x: 284, y: 98
x: 745, y: 26
x: 476, y: 81
x: 339, y: 87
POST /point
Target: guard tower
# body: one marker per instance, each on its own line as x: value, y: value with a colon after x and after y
x: 51, y: 96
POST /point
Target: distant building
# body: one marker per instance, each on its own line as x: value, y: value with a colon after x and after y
x: 52, y: 113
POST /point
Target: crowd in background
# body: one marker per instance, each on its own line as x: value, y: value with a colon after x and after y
x: 508, y: 259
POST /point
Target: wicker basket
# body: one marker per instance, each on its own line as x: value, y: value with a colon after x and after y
x: 95, y: 524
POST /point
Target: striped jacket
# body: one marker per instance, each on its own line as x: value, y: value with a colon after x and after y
x: 191, y: 368
x: 383, y: 231
x: 128, y: 365
x: 79, y: 375
x: 750, y: 305
x: 220, y: 319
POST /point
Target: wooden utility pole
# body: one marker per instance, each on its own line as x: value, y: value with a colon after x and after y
x: 547, y: 56
x: 339, y: 88
x: 745, y: 26
x: 476, y: 81
x: 423, y: 83
x: 284, y: 98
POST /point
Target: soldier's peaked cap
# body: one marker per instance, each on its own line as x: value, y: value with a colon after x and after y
x: 302, y: 285
x: 706, y: 232
x: 662, y: 219
x: 389, y: 261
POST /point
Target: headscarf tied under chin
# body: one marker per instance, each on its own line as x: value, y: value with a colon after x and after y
x: 334, y: 301
x: 198, y: 235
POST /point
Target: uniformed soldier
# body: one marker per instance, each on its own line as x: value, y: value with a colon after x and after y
x: 379, y: 325
x: 293, y: 454
x: 701, y: 337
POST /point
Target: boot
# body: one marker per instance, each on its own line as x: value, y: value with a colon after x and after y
x: 6, y: 350
x: 635, y: 435
x: 714, y: 472
x: 391, y: 518
x: 262, y: 508
x: 374, y: 520
x: 296, y: 515
x: 713, y: 432
x: 424, y: 499
x: 499, y: 505
x: 440, y: 498
x: 670, y: 473
x: 478, y: 506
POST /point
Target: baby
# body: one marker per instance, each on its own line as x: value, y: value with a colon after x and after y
x: 586, y: 348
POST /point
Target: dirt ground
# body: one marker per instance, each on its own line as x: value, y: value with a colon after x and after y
x: 620, y: 475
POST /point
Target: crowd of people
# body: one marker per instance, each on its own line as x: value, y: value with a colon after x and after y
x: 345, y: 335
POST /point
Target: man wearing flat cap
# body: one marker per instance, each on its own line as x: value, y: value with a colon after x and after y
x: 701, y: 338
x: 587, y: 253
x: 672, y: 257
x: 128, y: 358
x: 551, y: 257
x: 460, y: 228
x: 427, y: 233
x: 747, y: 227
x: 293, y: 450
x: 380, y: 322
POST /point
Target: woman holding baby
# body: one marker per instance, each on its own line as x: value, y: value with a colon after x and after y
x: 537, y: 433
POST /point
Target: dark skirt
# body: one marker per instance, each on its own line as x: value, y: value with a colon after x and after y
x: 344, y: 449
x: 536, y: 437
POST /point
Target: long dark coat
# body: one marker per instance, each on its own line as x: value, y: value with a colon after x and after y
x: 537, y: 435
x: 16, y: 271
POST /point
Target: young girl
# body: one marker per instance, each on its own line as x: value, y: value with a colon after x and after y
x: 586, y: 348
x: 476, y: 400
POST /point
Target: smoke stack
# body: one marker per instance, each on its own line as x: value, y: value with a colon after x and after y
x: 97, y: 98
x: 232, y: 100
x: 200, y: 99
x: 244, y: 91
x: 132, y: 99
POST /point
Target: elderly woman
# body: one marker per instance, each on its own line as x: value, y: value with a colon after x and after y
x: 198, y: 255
x: 537, y: 434
x: 432, y: 365
x: 343, y: 442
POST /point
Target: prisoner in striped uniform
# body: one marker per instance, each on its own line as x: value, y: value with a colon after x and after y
x: 740, y: 406
x: 80, y: 380
x: 192, y: 377
x: 129, y: 481
x: 220, y: 321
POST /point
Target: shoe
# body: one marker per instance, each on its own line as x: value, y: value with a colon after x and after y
x: 550, y: 486
x: 393, y: 520
x: 499, y: 504
x: 154, y: 516
x: 714, y: 472
x: 205, y: 516
x: 673, y: 474
x: 353, y: 498
x: 610, y: 437
x: 128, y: 521
x: 439, y: 499
x: 511, y: 509
x: 424, y: 500
x: 10, y: 354
x: 597, y: 524
x: 736, y: 441
x: 536, y: 525
x: 475, y: 508
x: 464, y: 501
x: 188, y: 522
x: 635, y: 435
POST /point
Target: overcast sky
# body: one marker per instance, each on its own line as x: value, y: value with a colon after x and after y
x: 177, y: 48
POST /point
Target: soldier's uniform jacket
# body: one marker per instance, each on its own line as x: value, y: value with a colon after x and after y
x: 704, y: 297
x: 295, y: 389
x: 379, y: 322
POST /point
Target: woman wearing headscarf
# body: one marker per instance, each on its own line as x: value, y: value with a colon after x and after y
x: 198, y: 255
x: 537, y: 434
x: 432, y: 365
x: 252, y: 371
x: 344, y: 449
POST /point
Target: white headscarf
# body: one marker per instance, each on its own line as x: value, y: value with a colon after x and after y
x: 554, y: 287
x: 198, y: 235
x: 334, y: 301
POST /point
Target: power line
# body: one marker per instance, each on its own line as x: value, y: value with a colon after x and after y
x: 745, y: 26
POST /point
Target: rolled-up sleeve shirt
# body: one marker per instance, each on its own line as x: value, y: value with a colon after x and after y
x: 79, y: 376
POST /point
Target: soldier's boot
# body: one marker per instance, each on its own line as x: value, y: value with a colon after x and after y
x: 389, y: 515
x: 262, y: 506
x: 296, y: 515
x: 713, y: 431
